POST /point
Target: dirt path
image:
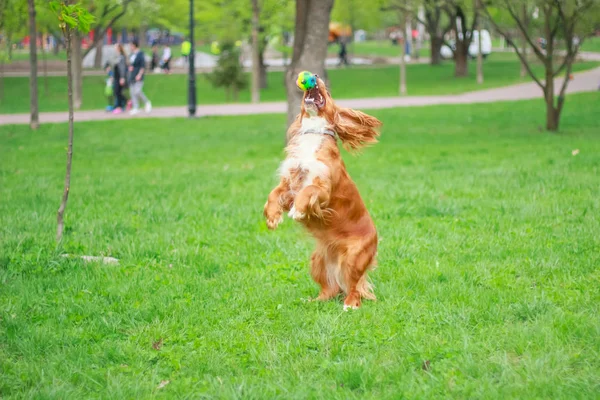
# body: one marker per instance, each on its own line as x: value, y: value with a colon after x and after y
x: 582, y: 82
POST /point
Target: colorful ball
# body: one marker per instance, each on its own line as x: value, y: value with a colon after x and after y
x: 306, y: 81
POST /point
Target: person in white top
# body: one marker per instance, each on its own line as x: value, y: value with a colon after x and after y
x: 166, y: 59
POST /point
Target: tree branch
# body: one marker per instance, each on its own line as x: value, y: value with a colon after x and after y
x: 523, y: 30
x: 102, y: 31
x: 510, y: 42
x: 561, y: 96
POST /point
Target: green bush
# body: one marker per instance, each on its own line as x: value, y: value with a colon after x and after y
x: 229, y: 73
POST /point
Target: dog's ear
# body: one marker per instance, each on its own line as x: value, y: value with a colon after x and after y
x: 355, y: 128
x: 294, y: 127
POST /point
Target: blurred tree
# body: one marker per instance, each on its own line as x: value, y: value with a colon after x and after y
x: 563, y: 25
x: 255, y: 52
x: 4, y: 46
x: 229, y: 73
x: 13, y: 22
x: 458, y: 12
x: 231, y: 20
x: 477, y: 6
x: 359, y: 14
x: 436, y: 22
x: 34, y: 121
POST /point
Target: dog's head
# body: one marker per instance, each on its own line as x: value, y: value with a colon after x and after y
x: 354, y: 128
x: 317, y: 101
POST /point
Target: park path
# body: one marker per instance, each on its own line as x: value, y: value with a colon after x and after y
x: 582, y: 82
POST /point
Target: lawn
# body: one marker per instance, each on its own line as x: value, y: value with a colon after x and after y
x: 355, y: 82
x: 591, y: 44
x: 488, y: 278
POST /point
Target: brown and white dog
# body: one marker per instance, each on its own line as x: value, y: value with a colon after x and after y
x: 316, y: 190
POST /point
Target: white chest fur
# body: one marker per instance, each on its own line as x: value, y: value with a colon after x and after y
x: 314, y: 125
x: 302, y: 154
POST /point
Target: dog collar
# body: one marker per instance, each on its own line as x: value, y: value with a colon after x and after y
x: 320, y: 132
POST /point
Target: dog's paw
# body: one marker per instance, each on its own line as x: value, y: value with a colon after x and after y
x: 295, y: 214
x: 272, y: 223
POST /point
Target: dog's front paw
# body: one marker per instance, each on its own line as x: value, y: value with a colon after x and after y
x: 272, y: 223
x: 295, y: 214
x: 273, y: 215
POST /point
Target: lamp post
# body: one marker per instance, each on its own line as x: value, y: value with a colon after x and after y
x: 192, y: 71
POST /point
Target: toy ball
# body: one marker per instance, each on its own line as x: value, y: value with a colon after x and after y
x: 306, y: 81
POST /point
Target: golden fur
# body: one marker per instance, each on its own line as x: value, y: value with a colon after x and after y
x: 329, y: 205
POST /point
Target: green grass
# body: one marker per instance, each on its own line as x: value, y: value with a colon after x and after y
x: 23, y: 55
x: 488, y: 262
x: 375, y: 48
x: 385, y: 48
x: 591, y: 44
x: 345, y: 83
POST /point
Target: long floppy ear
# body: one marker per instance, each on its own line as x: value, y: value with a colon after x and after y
x: 355, y: 128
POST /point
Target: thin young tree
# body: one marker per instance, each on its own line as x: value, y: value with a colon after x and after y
x: 403, y: 16
x: 566, y: 22
x: 255, y: 52
x: 73, y: 19
x: 34, y: 121
x: 477, y: 6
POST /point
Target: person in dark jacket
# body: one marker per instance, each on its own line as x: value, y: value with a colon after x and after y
x: 154, y: 63
x: 137, y: 67
x: 343, y: 52
x: 120, y: 81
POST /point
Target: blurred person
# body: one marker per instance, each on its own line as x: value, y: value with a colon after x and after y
x: 154, y: 61
x: 343, y: 52
x: 186, y: 48
x: 120, y: 80
x: 137, y: 68
x: 166, y: 59
x: 109, y: 87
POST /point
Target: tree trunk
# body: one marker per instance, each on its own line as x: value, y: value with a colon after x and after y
x: 403, y: 19
x: 142, y: 36
x: 65, y: 197
x: 310, y: 47
x: 436, y: 49
x: 524, y: 41
x: 524, y: 51
x: 9, y: 45
x: 479, y: 63
x: 44, y: 67
x: 551, y: 111
x: 34, y: 122
x: 552, y: 116
x: 255, y: 53
x: 56, y: 47
x: 77, y: 73
x: 461, y: 60
x: 479, y: 52
x: 264, y: 83
x: 99, y: 49
x: 1, y: 80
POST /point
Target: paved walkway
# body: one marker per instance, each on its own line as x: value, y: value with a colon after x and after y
x: 582, y: 82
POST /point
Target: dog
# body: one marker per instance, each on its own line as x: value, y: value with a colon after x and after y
x: 316, y: 190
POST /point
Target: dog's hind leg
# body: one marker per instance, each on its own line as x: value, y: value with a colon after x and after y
x: 355, y: 264
x: 319, y: 271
